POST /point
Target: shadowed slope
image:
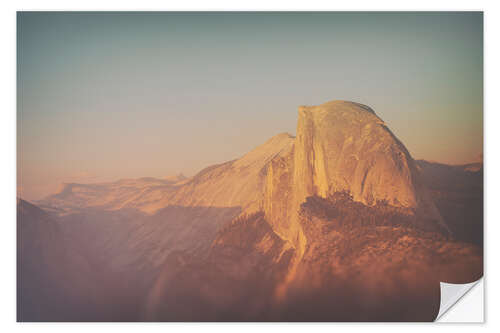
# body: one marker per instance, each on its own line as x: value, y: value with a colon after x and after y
x: 457, y: 191
x: 54, y: 282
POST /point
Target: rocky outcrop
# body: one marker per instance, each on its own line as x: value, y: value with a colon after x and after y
x: 344, y: 147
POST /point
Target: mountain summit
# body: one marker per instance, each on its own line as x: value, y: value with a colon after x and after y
x: 344, y: 147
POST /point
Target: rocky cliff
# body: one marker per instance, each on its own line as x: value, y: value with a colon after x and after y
x: 344, y: 147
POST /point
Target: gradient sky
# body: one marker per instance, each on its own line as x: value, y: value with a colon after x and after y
x: 103, y: 96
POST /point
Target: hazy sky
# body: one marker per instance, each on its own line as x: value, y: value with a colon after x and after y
x: 103, y: 96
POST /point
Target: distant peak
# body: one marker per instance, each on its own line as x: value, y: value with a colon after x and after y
x: 181, y: 176
x: 64, y: 188
x: 176, y: 178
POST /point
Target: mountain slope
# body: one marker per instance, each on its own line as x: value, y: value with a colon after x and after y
x: 52, y: 279
x: 237, y: 183
x: 65, y: 271
x: 457, y: 191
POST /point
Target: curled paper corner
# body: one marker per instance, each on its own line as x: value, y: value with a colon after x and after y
x: 451, y: 293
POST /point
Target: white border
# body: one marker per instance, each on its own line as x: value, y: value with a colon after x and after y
x: 8, y: 150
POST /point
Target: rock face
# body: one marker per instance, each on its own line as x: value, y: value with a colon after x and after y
x: 344, y: 147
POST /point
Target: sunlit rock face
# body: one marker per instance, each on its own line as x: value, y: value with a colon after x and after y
x: 344, y: 147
